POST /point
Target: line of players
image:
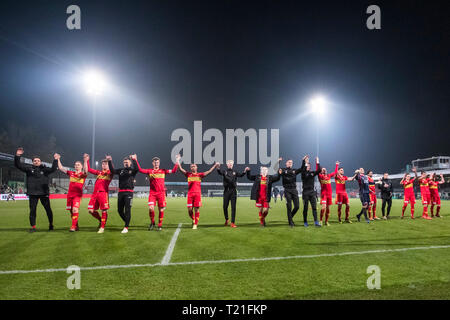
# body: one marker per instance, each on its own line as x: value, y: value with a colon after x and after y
x: 261, y: 190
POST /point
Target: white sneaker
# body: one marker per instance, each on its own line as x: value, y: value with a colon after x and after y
x: 101, y: 230
x: 125, y: 230
x: 194, y: 227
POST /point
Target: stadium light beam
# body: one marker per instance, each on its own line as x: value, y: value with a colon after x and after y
x: 95, y: 84
x: 318, y: 106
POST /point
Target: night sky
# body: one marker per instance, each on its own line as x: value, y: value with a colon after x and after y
x: 233, y: 64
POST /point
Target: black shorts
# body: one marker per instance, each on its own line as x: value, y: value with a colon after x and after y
x: 365, y: 198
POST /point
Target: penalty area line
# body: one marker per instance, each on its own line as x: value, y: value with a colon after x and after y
x: 166, y: 260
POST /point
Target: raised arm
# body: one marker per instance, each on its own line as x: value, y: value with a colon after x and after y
x: 88, y: 167
x: 219, y: 171
x: 276, y: 166
x: 144, y: 171
x: 249, y: 176
x: 17, y: 162
x: 240, y: 174
x: 211, y: 169
x: 335, y: 169
x: 111, y: 167
x: 175, y: 167
x: 317, y: 167
x: 303, y: 167
x: 60, y: 166
x: 134, y: 167
x: 276, y: 177
x: 181, y: 168
x: 54, y: 166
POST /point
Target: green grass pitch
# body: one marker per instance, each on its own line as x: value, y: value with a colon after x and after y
x: 409, y: 274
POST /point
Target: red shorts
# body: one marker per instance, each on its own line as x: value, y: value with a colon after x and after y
x: 73, y: 201
x: 157, y: 197
x: 410, y: 198
x: 262, y: 203
x: 426, y: 198
x: 373, y: 198
x: 435, y: 198
x: 342, y: 198
x: 326, y: 199
x: 99, y: 200
x: 194, y: 200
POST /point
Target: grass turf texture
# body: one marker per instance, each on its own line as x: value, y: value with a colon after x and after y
x: 422, y: 274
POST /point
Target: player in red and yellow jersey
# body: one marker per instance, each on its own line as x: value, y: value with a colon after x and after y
x: 326, y: 194
x: 194, y: 195
x: 341, y: 194
x: 373, y: 197
x: 100, y: 197
x: 409, y: 197
x: 434, y: 192
x: 75, y: 192
x: 425, y: 194
x: 157, y: 194
x: 262, y: 190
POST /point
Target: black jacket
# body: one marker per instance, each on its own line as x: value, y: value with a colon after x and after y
x: 126, y: 175
x: 308, y: 179
x: 230, y: 177
x: 256, y: 185
x: 37, y: 177
x: 289, y: 177
x: 386, y: 192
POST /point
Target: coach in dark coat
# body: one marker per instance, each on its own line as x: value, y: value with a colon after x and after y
x: 386, y: 188
x: 257, y: 182
x: 37, y: 186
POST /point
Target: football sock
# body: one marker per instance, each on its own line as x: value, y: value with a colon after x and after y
x: 96, y: 215
x: 197, y: 217
x: 152, y: 216
x: 425, y: 211
x: 161, y: 217
x: 104, y: 218
x: 74, y: 220
x: 403, y: 210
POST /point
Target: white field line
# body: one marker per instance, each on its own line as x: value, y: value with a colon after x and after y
x: 228, y: 261
x: 166, y: 259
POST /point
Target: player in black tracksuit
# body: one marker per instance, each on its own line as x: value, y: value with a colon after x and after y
x: 289, y: 180
x: 37, y: 186
x: 127, y: 175
x: 309, y: 193
x: 229, y: 193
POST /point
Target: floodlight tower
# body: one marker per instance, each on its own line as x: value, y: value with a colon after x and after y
x: 95, y: 84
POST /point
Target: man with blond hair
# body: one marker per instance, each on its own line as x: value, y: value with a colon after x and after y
x: 262, y: 190
x: 229, y: 193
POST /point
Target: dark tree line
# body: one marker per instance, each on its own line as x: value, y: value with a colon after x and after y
x: 34, y: 141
